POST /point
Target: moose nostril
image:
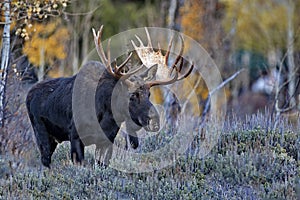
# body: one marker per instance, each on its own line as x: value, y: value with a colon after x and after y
x: 154, y: 123
x: 156, y: 126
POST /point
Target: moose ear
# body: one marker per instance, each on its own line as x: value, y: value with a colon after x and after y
x: 150, y: 73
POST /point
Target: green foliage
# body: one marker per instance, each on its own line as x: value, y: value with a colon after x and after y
x: 259, y: 25
x: 257, y: 63
x: 120, y: 16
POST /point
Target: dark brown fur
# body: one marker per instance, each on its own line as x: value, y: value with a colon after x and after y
x: 49, y: 105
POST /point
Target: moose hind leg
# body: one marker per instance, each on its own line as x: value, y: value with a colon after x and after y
x: 53, y: 145
x: 45, y: 144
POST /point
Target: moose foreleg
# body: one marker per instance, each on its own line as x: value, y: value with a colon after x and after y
x: 77, y: 147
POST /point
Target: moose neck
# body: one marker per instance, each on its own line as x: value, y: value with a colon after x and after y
x: 114, y: 97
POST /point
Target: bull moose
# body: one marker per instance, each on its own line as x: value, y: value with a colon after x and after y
x: 49, y: 105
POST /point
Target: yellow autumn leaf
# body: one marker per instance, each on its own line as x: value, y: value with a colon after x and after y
x: 46, y: 44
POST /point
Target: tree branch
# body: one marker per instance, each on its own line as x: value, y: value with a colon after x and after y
x: 207, y: 104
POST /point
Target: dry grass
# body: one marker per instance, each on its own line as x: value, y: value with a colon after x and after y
x: 249, y: 161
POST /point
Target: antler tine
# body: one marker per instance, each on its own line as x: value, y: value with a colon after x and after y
x: 122, y: 65
x: 98, y: 44
x: 181, y: 64
x: 141, y: 42
x: 133, y: 44
x: 108, y: 54
x: 169, y: 49
x: 174, y: 79
x: 187, y: 73
x: 159, y: 48
x: 97, y: 40
x: 125, y: 76
x: 170, y: 81
x: 180, y: 53
x: 148, y: 38
x: 116, y: 72
x: 175, y: 66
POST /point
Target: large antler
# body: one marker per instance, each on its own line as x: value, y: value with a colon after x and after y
x: 116, y: 71
x: 149, y: 57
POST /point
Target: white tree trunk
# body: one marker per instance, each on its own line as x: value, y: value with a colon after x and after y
x: 172, y: 14
x: 171, y: 103
x: 5, y: 53
x: 290, y: 52
x: 75, y: 52
x: 41, y: 72
x: 86, y: 27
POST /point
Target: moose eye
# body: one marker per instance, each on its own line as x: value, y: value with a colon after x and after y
x: 135, y: 96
